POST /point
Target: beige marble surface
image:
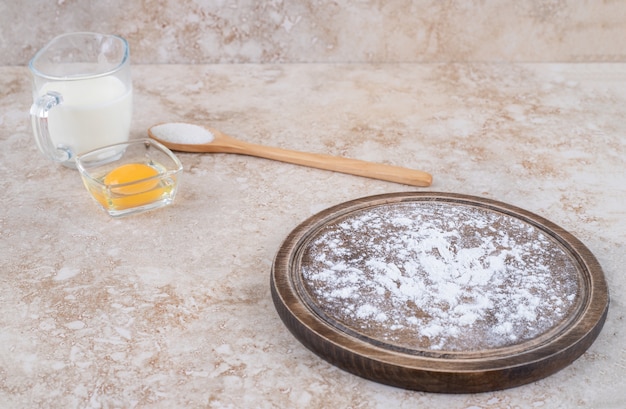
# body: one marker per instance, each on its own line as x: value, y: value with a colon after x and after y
x: 172, y: 308
x: 251, y: 31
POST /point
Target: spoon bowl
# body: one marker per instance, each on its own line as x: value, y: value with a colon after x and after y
x: 185, y: 137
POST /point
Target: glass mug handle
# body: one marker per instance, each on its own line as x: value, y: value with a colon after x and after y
x: 39, y: 116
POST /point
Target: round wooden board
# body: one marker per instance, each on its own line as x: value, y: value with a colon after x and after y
x: 447, y: 368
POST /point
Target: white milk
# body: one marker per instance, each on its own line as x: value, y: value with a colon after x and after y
x: 94, y: 113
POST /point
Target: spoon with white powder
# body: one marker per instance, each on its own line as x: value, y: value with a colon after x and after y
x: 185, y: 137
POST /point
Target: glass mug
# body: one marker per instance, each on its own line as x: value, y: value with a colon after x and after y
x: 82, y: 94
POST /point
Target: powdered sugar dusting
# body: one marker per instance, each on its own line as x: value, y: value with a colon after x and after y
x: 439, y: 276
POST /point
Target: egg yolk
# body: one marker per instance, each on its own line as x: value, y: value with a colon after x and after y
x: 129, y: 173
x: 134, y: 194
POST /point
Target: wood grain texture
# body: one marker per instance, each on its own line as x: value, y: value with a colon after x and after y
x: 442, y: 371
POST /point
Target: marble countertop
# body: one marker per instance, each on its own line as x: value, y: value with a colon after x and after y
x: 172, y: 308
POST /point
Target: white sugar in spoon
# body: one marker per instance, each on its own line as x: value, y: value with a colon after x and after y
x: 185, y: 137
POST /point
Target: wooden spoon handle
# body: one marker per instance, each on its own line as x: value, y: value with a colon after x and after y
x: 337, y: 164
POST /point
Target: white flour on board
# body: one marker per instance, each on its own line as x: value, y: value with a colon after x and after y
x: 439, y: 276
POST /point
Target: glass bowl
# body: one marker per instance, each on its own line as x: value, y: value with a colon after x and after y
x: 130, y: 177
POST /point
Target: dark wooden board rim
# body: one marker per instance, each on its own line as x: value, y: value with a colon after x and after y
x: 446, y: 372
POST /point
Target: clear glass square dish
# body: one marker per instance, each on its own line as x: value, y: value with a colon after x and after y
x: 131, y: 177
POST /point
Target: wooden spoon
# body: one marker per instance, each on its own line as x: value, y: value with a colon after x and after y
x: 185, y: 137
